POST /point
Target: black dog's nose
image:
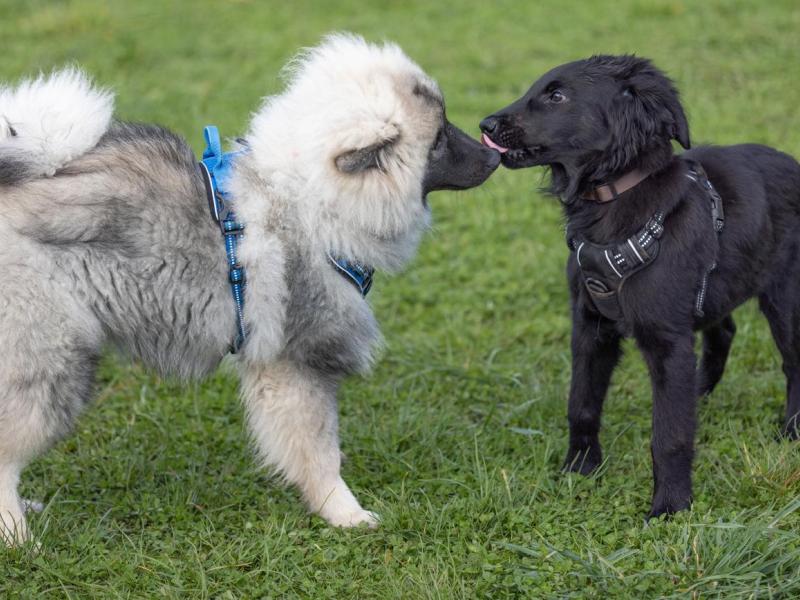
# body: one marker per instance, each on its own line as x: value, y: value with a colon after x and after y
x: 489, y: 124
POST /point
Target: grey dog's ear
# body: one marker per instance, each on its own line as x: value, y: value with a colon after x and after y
x: 363, y: 159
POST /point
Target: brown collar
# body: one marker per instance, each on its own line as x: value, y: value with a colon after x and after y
x: 611, y: 191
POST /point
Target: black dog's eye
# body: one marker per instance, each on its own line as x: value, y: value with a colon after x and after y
x: 556, y: 97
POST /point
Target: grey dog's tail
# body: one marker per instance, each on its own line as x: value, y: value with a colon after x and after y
x: 48, y: 121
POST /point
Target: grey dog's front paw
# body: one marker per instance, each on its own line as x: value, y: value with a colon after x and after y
x: 340, y: 507
x: 356, y: 518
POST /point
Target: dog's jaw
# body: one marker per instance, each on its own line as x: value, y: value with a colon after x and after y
x: 522, y: 158
x: 514, y: 154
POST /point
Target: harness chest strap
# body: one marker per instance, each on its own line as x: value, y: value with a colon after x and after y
x: 606, y: 268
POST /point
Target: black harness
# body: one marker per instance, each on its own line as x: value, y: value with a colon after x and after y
x: 606, y: 268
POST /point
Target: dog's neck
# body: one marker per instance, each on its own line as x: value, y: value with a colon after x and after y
x: 606, y: 222
x: 573, y: 181
x: 388, y: 253
x: 607, y: 192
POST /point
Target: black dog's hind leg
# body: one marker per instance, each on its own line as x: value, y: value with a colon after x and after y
x: 781, y: 305
x: 595, y: 352
x: 671, y: 361
x: 717, y: 341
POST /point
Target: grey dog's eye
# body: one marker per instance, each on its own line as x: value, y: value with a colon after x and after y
x: 557, y: 97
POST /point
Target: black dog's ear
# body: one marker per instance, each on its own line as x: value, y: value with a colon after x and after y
x: 680, y: 126
x: 366, y: 158
x: 649, y: 100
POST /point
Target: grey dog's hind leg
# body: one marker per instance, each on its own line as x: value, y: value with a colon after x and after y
x: 36, y: 408
x: 46, y: 379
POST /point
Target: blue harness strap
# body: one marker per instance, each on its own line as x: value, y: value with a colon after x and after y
x: 358, y: 274
x: 216, y: 168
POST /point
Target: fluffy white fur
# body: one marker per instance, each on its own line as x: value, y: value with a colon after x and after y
x: 55, y: 117
x: 343, y: 95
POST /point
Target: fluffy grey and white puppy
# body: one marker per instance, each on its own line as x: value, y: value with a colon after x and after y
x: 107, y: 238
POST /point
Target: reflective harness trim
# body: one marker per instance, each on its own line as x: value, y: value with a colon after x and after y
x: 216, y: 168
x: 606, y: 268
x: 698, y: 175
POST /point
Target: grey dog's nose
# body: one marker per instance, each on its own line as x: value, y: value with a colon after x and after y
x: 489, y: 124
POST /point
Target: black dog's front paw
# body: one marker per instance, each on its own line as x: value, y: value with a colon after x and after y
x: 583, y: 460
x: 791, y: 429
x: 669, y: 504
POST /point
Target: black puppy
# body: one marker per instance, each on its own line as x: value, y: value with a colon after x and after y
x: 659, y: 248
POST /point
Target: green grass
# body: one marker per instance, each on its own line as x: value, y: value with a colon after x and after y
x: 457, y: 437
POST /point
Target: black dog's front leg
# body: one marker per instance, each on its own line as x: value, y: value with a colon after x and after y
x: 671, y: 361
x: 595, y: 353
x: 717, y: 341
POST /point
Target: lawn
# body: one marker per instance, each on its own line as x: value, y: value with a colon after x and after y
x: 457, y: 437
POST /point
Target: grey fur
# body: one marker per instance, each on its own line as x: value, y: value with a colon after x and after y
x: 327, y: 340
x: 14, y: 171
x: 124, y: 230
x: 117, y: 247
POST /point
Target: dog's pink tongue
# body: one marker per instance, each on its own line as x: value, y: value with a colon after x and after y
x: 487, y: 141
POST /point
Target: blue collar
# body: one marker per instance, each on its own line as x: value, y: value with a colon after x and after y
x: 216, y: 169
x: 358, y: 274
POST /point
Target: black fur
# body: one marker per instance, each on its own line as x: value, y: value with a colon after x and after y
x: 456, y: 161
x: 593, y: 120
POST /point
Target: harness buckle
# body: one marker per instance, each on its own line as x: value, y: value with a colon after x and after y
x: 231, y: 226
x: 237, y: 274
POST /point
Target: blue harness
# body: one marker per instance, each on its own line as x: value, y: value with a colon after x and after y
x: 216, y: 168
x: 356, y: 273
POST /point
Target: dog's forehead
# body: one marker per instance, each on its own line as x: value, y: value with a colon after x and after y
x: 555, y: 74
x: 572, y: 73
x: 422, y: 97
